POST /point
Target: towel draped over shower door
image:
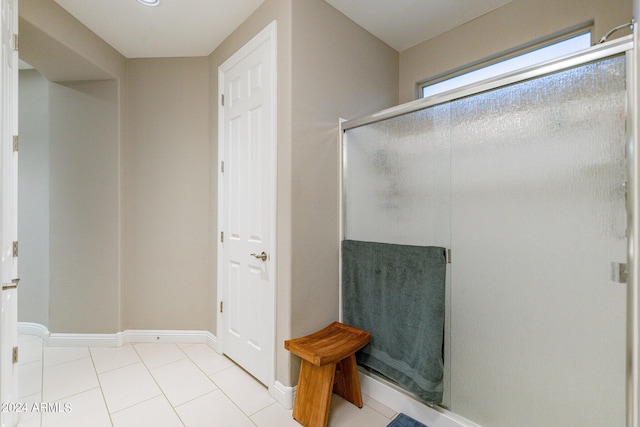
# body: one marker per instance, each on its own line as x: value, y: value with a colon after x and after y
x: 397, y: 293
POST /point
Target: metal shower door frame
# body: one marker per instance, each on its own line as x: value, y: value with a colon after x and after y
x: 622, y: 46
x: 633, y: 233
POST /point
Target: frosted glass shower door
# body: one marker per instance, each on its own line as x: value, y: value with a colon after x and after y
x: 538, y: 215
x: 526, y: 185
x: 397, y: 180
x: 397, y: 186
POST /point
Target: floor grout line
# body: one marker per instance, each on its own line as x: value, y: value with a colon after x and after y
x: 156, y: 381
x: 104, y: 399
x: 251, y: 419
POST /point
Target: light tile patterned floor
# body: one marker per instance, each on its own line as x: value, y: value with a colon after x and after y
x: 157, y: 385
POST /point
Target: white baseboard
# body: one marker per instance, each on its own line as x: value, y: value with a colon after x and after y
x: 212, y: 341
x: 283, y: 394
x: 117, y: 339
x: 175, y: 337
x: 35, y: 329
x: 85, y: 340
x: 401, y: 401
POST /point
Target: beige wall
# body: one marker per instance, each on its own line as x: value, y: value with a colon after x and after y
x: 68, y: 205
x: 511, y: 26
x: 339, y: 71
x: 84, y: 207
x: 166, y: 195
x: 158, y: 213
x: 33, y: 203
x: 61, y: 48
x: 85, y: 118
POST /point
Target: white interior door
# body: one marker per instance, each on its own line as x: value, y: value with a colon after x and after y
x: 8, y: 206
x: 246, y: 267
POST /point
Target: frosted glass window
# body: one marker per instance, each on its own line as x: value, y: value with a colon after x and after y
x: 525, y: 184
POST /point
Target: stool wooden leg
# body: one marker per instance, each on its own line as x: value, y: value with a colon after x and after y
x: 313, y: 395
x: 348, y: 384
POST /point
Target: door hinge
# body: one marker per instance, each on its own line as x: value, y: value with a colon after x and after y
x: 15, y: 248
x: 222, y: 237
x: 222, y: 99
x: 221, y: 306
x: 15, y: 355
x: 222, y: 166
x: 16, y: 42
x: 15, y: 143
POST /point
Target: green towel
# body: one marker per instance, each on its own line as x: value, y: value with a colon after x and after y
x: 397, y: 293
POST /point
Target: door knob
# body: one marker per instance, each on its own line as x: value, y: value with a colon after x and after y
x: 263, y: 256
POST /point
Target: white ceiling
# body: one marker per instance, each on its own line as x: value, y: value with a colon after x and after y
x: 196, y: 27
x: 173, y: 29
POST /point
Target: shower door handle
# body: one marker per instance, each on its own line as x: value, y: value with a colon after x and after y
x: 619, y: 272
x: 12, y: 285
x: 263, y: 256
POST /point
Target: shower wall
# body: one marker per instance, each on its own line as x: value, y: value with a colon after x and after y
x: 525, y: 184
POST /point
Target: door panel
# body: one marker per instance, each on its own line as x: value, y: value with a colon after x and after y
x: 247, y: 194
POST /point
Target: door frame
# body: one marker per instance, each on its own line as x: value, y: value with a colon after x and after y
x: 268, y: 34
x: 9, y: 207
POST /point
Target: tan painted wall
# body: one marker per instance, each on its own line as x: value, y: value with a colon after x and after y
x: 33, y: 203
x: 68, y: 206
x: 516, y: 24
x: 84, y: 168
x: 339, y: 71
x: 84, y: 209
x: 166, y: 195
x: 61, y: 47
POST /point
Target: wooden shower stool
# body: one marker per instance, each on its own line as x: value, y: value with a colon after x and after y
x: 328, y: 363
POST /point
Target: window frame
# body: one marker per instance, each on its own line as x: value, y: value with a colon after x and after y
x: 504, y: 56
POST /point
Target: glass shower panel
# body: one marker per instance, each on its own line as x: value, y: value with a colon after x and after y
x: 397, y: 187
x: 538, y: 215
x: 397, y: 180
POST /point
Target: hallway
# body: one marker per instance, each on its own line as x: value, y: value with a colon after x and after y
x: 160, y: 385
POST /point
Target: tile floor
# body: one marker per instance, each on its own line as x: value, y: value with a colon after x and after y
x: 158, y: 385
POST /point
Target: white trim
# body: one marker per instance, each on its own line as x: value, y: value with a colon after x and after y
x: 212, y: 341
x: 175, y: 337
x: 85, y: 340
x: 55, y: 339
x: 283, y: 394
x: 399, y: 400
x: 35, y: 329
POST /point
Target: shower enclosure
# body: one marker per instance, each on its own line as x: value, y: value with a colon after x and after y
x: 524, y: 178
